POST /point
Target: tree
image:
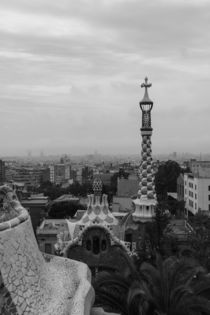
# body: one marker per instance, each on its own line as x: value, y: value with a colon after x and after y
x: 154, y: 230
x: 112, y: 288
x: 64, y: 209
x: 166, y: 179
x: 200, y: 240
x: 111, y: 292
x: 170, y: 288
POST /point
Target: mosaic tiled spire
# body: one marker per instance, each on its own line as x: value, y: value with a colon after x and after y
x: 97, y: 186
x: 98, y: 207
x: 146, y: 175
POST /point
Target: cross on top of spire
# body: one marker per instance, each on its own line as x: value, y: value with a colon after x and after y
x: 146, y: 85
x: 146, y: 98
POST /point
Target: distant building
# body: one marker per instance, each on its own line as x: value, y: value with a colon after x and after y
x: 180, y: 187
x: 197, y: 187
x: 37, y: 208
x: 197, y: 193
x: 61, y: 173
x: 2, y: 172
x: 57, y: 173
x: 47, y: 231
x: 106, y: 178
x: 200, y: 168
x: 87, y: 175
x: 127, y: 187
x: 126, y: 190
x: 47, y: 234
x: 121, y: 204
x: 79, y: 176
x: 31, y: 176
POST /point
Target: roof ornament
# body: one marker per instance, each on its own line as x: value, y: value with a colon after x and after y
x: 146, y: 99
x: 97, y: 185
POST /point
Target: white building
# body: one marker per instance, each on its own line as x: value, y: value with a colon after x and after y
x: 200, y: 168
x: 52, y: 173
x: 59, y: 173
x: 196, y: 193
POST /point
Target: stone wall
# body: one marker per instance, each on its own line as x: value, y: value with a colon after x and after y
x: 33, y: 285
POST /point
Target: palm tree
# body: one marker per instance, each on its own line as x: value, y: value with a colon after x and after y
x: 171, y: 288
x: 111, y: 288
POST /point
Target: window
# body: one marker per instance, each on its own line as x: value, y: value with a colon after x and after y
x: 209, y: 188
x: 96, y: 245
x: 209, y: 197
x: 147, y: 207
x: 48, y: 248
x: 190, y: 185
x: 195, y: 196
x: 195, y: 187
x: 190, y: 203
x: 103, y: 245
x: 209, y: 207
x: 88, y: 245
x: 128, y: 237
x: 191, y: 194
x: 195, y: 206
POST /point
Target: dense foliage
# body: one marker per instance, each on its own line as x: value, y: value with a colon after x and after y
x: 54, y: 191
x: 64, y: 209
x: 170, y: 287
x: 199, y: 242
x: 81, y: 190
x: 166, y: 179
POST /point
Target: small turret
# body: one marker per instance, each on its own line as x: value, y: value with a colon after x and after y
x: 97, y: 186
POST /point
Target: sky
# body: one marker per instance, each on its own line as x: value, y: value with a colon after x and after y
x: 71, y: 70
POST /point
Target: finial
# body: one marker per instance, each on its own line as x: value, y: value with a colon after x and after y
x: 145, y: 84
x: 146, y: 98
x: 97, y: 185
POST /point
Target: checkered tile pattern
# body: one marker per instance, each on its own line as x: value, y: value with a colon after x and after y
x: 97, y: 186
x: 98, y: 211
x: 146, y: 174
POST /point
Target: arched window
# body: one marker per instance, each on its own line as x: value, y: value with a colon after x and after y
x: 88, y: 245
x: 103, y: 245
x: 96, y: 245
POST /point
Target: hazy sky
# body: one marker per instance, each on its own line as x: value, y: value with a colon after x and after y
x: 70, y: 75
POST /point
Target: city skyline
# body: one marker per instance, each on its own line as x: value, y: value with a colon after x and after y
x: 71, y: 74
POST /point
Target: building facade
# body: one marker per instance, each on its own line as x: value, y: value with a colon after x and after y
x: 30, y: 176
x: 57, y: 173
x: 98, y: 237
x: 200, y: 169
x: 180, y: 187
x: 197, y: 193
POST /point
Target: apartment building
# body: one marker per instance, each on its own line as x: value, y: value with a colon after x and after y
x: 196, y: 193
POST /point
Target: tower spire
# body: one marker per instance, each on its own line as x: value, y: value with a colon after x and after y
x: 146, y: 98
x: 146, y: 201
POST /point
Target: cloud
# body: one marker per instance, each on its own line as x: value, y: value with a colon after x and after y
x: 42, y: 25
x: 75, y: 67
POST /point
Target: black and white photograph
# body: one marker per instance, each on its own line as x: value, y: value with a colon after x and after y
x: 104, y: 157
